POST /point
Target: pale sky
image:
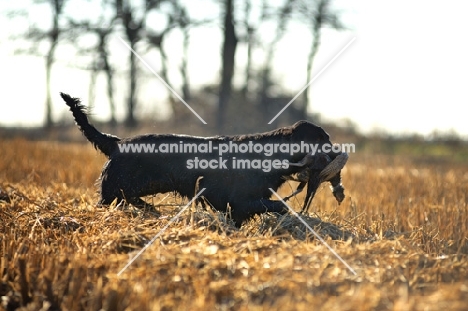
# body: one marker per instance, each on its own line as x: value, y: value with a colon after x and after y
x: 405, y: 72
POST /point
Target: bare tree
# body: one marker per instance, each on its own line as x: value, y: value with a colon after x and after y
x: 101, y: 28
x: 283, y: 16
x: 317, y: 14
x: 102, y: 63
x: 228, y: 62
x: 132, y: 28
x: 101, y: 57
x: 133, y: 20
x: 156, y: 40
x: 61, y: 25
x: 250, y: 39
x: 178, y: 17
x: 51, y: 35
x: 185, y: 23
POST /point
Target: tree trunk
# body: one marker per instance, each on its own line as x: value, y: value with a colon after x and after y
x: 249, y: 40
x: 175, y: 104
x: 104, y: 58
x: 284, y: 15
x: 248, y: 67
x: 130, y: 120
x: 49, y: 61
x: 132, y: 29
x: 53, y: 35
x: 110, y: 94
x: 228, y: 59
x: 313, y: 51
x: 184, y: 65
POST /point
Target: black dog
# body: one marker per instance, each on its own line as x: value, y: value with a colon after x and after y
x: 240, y: 179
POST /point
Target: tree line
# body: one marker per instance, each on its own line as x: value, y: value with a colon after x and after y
x: 240, y: 23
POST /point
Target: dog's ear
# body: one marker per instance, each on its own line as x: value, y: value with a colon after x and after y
x: 309, y: 132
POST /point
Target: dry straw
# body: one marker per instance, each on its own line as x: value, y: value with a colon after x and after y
x: 403, y: 227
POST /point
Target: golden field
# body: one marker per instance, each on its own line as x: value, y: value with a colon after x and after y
x: 403, y: 228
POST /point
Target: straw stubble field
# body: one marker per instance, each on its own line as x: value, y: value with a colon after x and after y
x: 402, y: 228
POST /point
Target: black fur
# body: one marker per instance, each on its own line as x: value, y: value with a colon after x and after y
x: 130, y: 176
x: 106, y: 143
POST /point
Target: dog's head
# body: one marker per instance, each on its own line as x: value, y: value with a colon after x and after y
x: 321, y: 164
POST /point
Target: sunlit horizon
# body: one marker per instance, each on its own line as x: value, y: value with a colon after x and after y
x: 405, y: 73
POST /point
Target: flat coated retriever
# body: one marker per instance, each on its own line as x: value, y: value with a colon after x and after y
x: 240, y: 175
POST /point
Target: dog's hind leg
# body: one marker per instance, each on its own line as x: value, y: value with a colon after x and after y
x: 109, y: 195
x: 239, y: 215
x: 138, y: 202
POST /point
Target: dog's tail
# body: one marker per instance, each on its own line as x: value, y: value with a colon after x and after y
x: 104, y: 142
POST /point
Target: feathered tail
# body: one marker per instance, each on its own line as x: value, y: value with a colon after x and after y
x: 106, y: 143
